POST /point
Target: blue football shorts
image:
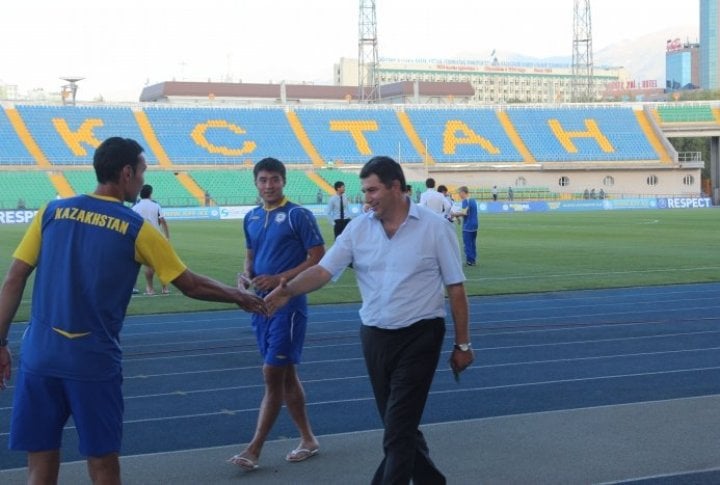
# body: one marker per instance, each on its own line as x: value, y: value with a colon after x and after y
x: 280, y: 338
x: 42, y: 406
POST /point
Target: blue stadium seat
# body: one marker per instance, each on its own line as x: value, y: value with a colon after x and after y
x: 376, y: 132
x: 70, y: 134
x: 617, y: 124
x: 463, y: 129
x: 12, y: 151
x: 225, y: 135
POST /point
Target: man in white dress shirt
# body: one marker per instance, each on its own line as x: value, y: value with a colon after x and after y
x: 405, y: 259
x: 434, y: 200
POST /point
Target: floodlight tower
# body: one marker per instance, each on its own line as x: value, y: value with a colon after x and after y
x: 582, y: 58
x: 368, y: 85
x: 70, y: 90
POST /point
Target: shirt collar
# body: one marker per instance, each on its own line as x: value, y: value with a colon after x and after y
x: 104, y: 197
x: 413, y: 211
x: 282, y: 202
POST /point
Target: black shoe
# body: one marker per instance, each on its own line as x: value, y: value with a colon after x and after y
x: 470, y: 264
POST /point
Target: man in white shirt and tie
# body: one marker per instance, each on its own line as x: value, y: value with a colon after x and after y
x: 337, y: 211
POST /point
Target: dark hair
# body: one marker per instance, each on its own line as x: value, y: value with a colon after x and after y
x: 146, y: 191
x: 430, y: 183
x: 269, y: 165
x: 442, y: 189
x: 386, y: 169
x: 112, y: 155
x: 338, y: 184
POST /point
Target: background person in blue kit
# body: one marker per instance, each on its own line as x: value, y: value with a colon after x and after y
x: 469, y: 214
x: 87, y: 251
x: 282, y: 239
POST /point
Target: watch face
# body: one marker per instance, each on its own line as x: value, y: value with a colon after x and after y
x: 463, y: 347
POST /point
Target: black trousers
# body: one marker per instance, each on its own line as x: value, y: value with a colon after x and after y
x: 339, y: 226
x: 401, y: 365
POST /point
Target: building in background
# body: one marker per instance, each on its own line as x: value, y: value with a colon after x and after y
x: 682, y: 65
x: 709, y: 44
x: 209, y: 93
x: 494, y: 82
x: 8, y: 91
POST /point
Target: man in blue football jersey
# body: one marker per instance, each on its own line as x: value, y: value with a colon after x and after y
x: 87, y: 251
x: 282, y: 239
x: 469, y: 214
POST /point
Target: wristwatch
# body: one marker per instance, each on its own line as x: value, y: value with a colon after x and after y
x: 3, y: 342
x: 463, y: 347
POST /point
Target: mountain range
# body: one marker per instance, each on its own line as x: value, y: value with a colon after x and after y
x: 643, y: 56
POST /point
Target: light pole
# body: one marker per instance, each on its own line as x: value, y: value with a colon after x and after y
x: 70, y: 89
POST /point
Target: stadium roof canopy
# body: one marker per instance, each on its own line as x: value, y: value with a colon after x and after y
x: 400, y: 92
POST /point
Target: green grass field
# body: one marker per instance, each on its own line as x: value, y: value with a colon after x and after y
x: 518, y: 253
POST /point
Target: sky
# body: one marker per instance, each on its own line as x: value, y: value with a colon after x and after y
x: 120, y: 46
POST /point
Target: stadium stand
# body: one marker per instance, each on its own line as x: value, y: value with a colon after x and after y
x: 232, y: 136
x: 81, y: 181
x: 463, y: 135
x: 571, y: 135
x: 299, y: 187
x: 685, y: 114
x: 12, y: 151
x: 217, y: 136
x: 227, y: 187
x: 353, y: 136
x: 351, y: 180
x: 210, y: 149
x: 167, y: 190
x: 26, y: 189
x: 70, y: 134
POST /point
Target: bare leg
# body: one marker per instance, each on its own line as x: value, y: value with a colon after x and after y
x: 149, y: 273
x: 43, y: 467
x: 295, y: 401
x: 104, y: 470
x: 269, y: 409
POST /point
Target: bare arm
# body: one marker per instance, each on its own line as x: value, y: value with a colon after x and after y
x: 10, y: 297
x: 164, y: 227
x: 460, y: 213
x: 459, y: 360
x: 201, y: 287
x: 309, y: 280
x: 269, y: 282
x: 245, y: 279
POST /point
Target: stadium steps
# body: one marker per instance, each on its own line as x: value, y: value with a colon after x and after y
x: 32, y: 188
x: 304, y: 139
x: 192, y: 187
x: 81, y: 181
x: 320, y: 182
x: 61, y: 184
x: 650, y: 134
x: 163, y: 159
x: 412, y: 135
x: 148, y: 132
x: 515, y: 137
x: 26, y: 137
